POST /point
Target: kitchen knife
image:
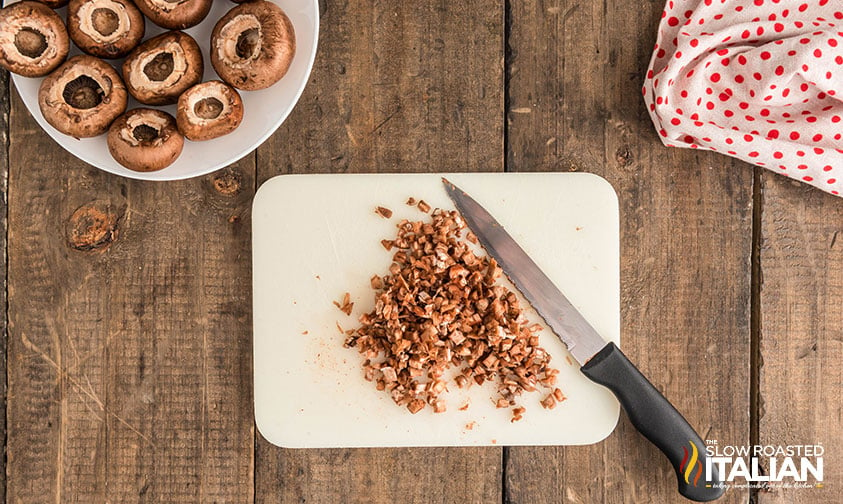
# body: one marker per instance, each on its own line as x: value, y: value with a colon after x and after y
x: 604, y: 363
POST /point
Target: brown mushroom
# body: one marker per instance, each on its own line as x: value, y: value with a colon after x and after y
x: 175, y: 14
x: 253, y: 45
x: 145, y: 140
x: 163, y: 67
x: 33, y: 40
x: 105, y: 28
x: 82, y: 97
x: 209, y: 110
x: 54, y: 4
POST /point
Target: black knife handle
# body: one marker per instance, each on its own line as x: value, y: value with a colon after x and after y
x: 658, y: 421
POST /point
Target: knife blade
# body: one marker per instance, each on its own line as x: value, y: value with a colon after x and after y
x: 601, y: 361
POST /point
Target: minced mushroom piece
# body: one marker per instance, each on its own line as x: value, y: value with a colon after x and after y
x: 346, y: 306
x: 559, y: 395
x: 411, y: 201
x: 383, y: 212
x: 461, y: 381
x: 415, y: 405
x: 549, y: 402
x: 440, y: 306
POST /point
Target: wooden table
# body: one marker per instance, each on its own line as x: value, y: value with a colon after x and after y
x: 128, y: 308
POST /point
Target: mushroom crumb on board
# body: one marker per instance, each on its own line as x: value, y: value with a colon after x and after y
x: 440, y: 309
x: 549, y: 402
x: 383, y: 212
x: 346, y: 306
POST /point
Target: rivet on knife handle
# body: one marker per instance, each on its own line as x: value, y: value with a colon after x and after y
x: 654, y: 417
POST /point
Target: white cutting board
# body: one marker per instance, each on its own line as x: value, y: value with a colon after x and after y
x: 316, y: 237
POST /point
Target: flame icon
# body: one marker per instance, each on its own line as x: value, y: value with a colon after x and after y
x: 687, y: 466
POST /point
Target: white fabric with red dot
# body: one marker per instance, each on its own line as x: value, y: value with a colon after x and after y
x: 760, y: 80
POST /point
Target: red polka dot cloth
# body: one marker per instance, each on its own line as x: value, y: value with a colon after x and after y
x: 760, y: 80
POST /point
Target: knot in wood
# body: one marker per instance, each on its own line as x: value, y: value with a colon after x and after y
x: 227, y: 183
x: 93, y: 226
x: 624, y: 156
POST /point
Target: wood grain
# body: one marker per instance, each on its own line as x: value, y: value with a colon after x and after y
x: 129, y: 332
x: 397, y: 87
x: 686, y: 227
x: 4, y: 190
x: 802, y: 330
x: 129, y: 305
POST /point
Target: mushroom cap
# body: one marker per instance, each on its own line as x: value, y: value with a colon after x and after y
x: 252, y: 45
x: 82, y: 97
x: 145, y: 139
x: 175, y: 14
x: 54, y: 4
x: 105, y: 28
x: 209, y: 110
x: 163, y: 67
x: 33, y: 39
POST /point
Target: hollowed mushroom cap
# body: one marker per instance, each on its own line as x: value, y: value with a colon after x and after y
x: 253, y: 45
x: 33, y: 39
x: 54, y: 4
x: 105, y: 28
x: 175, y: 14
x: 145, y: 140
x: 82, y: 97
x: 163, y: 67
x: 209, y: 110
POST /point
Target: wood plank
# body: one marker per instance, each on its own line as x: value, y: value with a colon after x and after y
x: 129, y: 335
x: 575, y: 104
x: 801, y: 329
x: 396, y: 88
x: 4, y: 190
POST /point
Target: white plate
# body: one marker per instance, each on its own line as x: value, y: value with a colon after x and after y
x: 264, y: 110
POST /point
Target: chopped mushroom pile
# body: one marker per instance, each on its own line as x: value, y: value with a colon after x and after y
x: 440, y: 307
